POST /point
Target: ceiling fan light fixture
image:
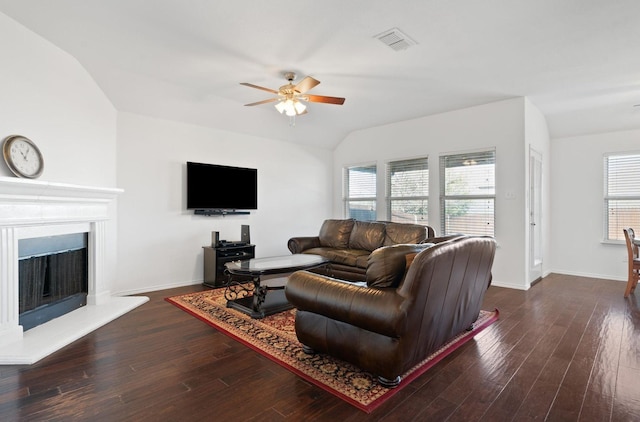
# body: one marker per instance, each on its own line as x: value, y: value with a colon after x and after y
x: 290, y: 107
x: 300, y: 108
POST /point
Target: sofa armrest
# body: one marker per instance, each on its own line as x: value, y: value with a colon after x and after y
x: 300, y: 244
x: 376, y: 310
x: 441, y: 239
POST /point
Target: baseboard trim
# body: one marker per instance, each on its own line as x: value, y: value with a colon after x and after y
x: 509, y: 285
x: 590, y: 275
x: 159, y: 287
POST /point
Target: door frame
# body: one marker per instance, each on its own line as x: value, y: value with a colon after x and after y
x: 535, y: 216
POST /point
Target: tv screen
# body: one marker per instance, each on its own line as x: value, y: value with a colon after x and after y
x: 216, y: 187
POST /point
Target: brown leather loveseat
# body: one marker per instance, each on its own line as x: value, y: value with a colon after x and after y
x: 348, y: 243
x: 393, y: 323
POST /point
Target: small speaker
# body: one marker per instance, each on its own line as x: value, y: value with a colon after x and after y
x: 215, y: 239
x: 244, y: 234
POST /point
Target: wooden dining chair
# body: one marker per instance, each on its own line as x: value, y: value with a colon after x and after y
x: 634, y: 261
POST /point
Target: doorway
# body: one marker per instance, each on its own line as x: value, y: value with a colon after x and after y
x: 535, y: 215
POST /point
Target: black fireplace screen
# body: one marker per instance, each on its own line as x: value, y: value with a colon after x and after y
x: 47, y: 279
x: 51, y: 282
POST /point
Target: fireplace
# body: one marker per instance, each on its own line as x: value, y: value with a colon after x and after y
x: 31, y: 209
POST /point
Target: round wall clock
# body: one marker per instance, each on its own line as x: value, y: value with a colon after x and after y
x: 22, y: 156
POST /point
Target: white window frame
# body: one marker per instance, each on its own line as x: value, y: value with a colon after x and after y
x: 349, y: 198
x: 420, y: 164
x: 472, y: 157
x: 628, y: 179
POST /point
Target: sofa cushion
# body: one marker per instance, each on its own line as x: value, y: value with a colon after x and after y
x: 397, y: 233
x: 367, y: 235
x: 362, y: 261
x: 387, y: 265
x: 336, y: 233
x: 339, y: 256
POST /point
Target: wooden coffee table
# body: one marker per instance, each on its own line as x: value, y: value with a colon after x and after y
x: 264, y: 297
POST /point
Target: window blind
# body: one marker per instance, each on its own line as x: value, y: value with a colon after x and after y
x: 408, y: 191
x: 621, y: 194
x: 359, y: 192
x: 467, y: 186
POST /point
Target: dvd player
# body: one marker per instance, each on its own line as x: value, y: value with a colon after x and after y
x: 225, y: 244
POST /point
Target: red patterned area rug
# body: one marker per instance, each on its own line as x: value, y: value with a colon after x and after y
x: 274, y: 337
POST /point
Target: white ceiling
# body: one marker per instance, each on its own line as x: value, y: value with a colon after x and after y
x: 577, y: 60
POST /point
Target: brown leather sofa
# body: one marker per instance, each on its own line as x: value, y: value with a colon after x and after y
x: 348, y: 243
x: 393, y: 322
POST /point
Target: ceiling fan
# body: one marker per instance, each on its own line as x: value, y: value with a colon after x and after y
x: 290, y: 96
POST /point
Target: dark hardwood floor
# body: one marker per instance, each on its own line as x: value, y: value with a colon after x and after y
x: 566, y: 350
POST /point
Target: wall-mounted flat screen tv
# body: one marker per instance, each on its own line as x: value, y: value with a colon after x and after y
x: 217, y: 187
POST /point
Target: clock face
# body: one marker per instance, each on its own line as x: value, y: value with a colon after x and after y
x: 23, y: 157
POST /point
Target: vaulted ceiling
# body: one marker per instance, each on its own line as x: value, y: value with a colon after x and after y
x: 576, y: 60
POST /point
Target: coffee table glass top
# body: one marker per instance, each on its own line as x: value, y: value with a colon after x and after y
x: 275, y: 264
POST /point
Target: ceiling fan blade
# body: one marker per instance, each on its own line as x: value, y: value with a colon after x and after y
x: 270, y: 100
x: 323, y: 99
x: 306, y: 84
x: 273, y: 91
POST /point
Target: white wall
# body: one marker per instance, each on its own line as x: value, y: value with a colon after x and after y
x: 578, y: 205
x: 160, y: 241
x: 499, y: 125
x: 49, y: 98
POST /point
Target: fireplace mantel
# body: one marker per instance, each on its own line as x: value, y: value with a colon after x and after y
x: 33, y: 208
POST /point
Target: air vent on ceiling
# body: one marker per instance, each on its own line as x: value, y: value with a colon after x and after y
x: 395, y: 39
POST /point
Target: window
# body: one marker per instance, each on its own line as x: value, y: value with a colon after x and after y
x: 621, y: 194
x: 360, y: 192
x: 408, y: 191
x: 468, y: 193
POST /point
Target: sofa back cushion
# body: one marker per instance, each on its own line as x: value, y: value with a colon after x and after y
x: 397, y: 233
x: 386, y: 266
x: 336, y: 233
x: 366, y: 235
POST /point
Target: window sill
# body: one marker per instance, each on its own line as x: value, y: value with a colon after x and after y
x: 613, y: 242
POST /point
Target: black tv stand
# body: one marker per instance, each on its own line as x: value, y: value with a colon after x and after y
x: 219, y: 212
x: 216, y: 257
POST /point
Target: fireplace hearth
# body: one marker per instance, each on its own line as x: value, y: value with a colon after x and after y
x: 33, y: 209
